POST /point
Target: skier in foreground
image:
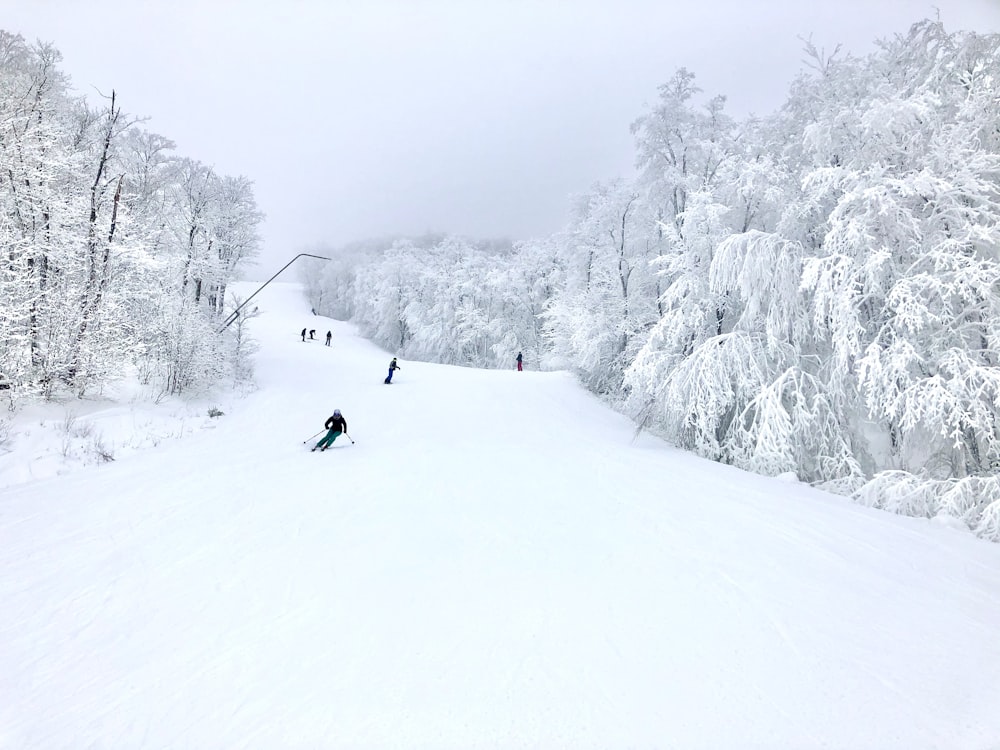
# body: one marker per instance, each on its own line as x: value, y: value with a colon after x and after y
x: 336, y: 424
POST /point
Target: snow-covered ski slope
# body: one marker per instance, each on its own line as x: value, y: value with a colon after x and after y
x: 495, y: 563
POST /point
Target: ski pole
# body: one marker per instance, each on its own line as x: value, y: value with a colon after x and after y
x: 311, y: 437
x: 350, y: 438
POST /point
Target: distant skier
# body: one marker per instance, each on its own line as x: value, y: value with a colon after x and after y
x: 519, y: 361
x: 303, y: 334
x: 393, y: 366
x: 329, y: 335
x: 336, y: 425
x: 312, y: 334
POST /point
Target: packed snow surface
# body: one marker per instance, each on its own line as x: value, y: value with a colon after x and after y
x: 495, y: 562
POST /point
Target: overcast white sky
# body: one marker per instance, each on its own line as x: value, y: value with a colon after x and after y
x: 361, y: 119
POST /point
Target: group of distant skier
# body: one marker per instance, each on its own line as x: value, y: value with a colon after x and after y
x: 312, y: 335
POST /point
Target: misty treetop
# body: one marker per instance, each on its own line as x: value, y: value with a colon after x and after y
x: 114, y: 253
x: 816, y: 291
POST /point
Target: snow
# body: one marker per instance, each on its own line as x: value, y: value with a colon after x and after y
x: 495, y: 562
x: 53, y: 439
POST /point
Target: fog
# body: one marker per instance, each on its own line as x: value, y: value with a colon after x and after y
x: 361, y: 119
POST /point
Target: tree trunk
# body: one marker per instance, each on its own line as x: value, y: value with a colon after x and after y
x: 97, y: 260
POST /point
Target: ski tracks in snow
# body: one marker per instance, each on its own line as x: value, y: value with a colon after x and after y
x: 496, y: 563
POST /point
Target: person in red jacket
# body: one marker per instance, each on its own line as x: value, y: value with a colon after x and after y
x: 336, y: 425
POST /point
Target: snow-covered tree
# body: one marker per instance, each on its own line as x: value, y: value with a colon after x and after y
x: 91, y: 272
x: 600, y: 317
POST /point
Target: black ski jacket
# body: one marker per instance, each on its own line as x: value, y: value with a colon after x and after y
x: 336, y: 423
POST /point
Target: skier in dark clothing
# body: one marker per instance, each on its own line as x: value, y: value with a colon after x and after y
x: 336, y: 424
x: 329, y: 335
x: 393, y: 366
x: 312, y: 334
x: 519, y: 361
x: 303, y: 334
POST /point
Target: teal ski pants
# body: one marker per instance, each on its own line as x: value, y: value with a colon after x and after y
x: 327, y: 440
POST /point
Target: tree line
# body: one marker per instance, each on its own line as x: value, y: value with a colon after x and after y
x: 816, y: 291
x: 115, y: 253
